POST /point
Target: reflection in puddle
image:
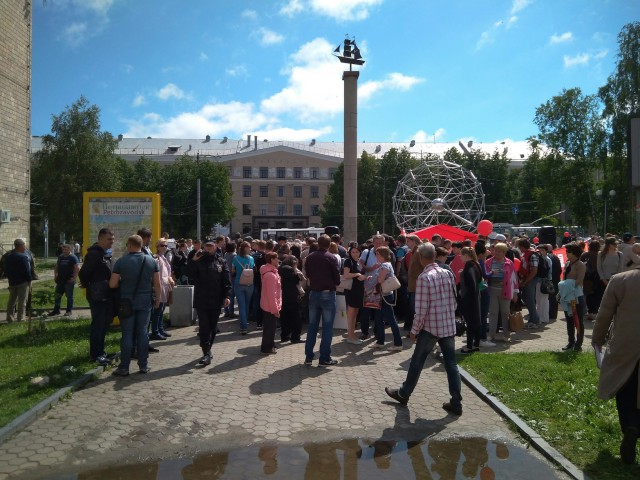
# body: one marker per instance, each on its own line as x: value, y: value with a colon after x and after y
x: 455, y: 458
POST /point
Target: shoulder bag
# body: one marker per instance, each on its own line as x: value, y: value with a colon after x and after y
x: 390, y: 284
x: 125, y: 306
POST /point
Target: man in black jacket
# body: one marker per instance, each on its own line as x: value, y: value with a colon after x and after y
x: 94, y: 276
x: 556, y: 271
x: 212, y: 291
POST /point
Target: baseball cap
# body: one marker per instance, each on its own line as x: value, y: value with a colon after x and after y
x: 210, y: 242
x: 627, y: 236
x: 500, y: 238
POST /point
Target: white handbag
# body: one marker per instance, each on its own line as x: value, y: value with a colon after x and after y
x: 389, y: 285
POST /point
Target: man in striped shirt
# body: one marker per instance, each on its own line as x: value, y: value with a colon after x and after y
x: 434, y: 322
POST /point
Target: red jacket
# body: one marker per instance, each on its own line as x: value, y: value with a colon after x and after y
x: 271, y: 294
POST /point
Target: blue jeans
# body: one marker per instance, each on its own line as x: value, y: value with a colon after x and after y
x: 386, y: 314
x: 320, y: 304
x: 157, y: 324
x: 101, y: 317
x: 529, y: 299
x: 65, y: 288
x: 425, y: 343
x: 229, y: 310
x: 244, y: 293
x: 137, y: 323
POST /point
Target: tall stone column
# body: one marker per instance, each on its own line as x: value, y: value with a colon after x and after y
x: 350, y: 80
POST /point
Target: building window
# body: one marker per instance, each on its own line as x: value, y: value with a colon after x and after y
x: 280, y: 209
x: 246, y: 209
x: 280, y: 172
x: 264, y: 209
x: 246, y: 190
x: 315, y: 192
x: 264, y: 191
x: 297, y: 172
x: 297, y: 192
x: 264, y: 172
x: 313, y: 209
x: 297, y: 210
x: 332, y: 172
x: 315, y: 173
x: 246, y: 228
x: 281, y: 191
x: 246, y: 172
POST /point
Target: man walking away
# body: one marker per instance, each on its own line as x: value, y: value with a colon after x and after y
x: 324, y: 276
x: 434, y: 322
x: 18, y: 268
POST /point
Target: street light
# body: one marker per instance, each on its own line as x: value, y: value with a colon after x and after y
x: 599, y: 194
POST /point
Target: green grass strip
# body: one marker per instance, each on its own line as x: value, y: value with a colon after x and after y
x: 555, y: 393
x: 61, y: 353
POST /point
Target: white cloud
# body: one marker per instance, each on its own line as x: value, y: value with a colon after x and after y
x: 126, y: 68
x: 249, y: 14
x: 170, y: 90
x: 421, y: 136
x: 486, y: 38
x: 556, y: 39
x: 203, y: 57
x: 75, y: 34
x: 583, y: 58
x: 100, y: 6
x: 343, y: 10
x: 314, y: 93
x: 139, y: 100
x: 291, y: 8
x: 393, y: 81
x: 269, y: 37
x: 519, y: 5
x: 512, y: 21
x: 237, y: 71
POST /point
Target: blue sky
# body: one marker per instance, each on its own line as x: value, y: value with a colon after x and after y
x: 435, y: 69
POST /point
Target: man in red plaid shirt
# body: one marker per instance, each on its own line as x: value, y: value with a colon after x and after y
x: 434, y: 322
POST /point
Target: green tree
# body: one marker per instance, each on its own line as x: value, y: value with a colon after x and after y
x: 145, y: 175
x: 570, y: 124
x: 179, y: 195
x: 621, y: 98
x: 76, y: 158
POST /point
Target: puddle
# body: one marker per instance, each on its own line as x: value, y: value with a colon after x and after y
x: 456, y: 458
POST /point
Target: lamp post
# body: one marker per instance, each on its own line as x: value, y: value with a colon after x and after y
x: 600, y: 194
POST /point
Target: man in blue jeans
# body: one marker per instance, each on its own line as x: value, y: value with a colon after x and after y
x: 138, y: 277
x: 434, y: 322
x: 323, y: 273
x: 65, y: 274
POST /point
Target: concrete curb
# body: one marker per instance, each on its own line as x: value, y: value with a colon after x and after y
x: 531, y: 435
x: 30, y: 415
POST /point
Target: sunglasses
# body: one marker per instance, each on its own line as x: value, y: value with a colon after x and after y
x: 163, y: 245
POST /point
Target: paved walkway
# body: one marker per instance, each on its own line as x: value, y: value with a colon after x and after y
x: 245, y: 398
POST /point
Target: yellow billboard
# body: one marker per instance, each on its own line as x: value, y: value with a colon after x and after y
x: 124, y: 213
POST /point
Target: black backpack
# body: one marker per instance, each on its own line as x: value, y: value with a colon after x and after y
x: 543, y: 266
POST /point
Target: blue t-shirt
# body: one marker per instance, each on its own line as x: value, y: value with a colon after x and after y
x: 128, y: 267
x: 241, y: 263
x: 66, y: 266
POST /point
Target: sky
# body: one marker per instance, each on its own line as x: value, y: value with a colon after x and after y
x: 436, y: 70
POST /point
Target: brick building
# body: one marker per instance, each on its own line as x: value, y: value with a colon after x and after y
x: 15, y: 120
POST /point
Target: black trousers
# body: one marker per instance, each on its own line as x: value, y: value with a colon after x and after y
x: 571, y: 329
x: 269, y: 324
x: 290, y: 321
x: 627, y: 403
x: 208, y: 322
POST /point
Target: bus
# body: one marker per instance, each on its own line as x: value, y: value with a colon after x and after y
x: 290, y: 233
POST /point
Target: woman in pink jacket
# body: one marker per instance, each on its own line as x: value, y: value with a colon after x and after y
x: 503, y: 288
x: 270, y: 302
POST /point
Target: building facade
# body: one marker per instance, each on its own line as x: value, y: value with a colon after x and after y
x: 15, y: 120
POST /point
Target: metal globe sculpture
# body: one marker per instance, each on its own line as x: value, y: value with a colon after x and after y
x: 437, y: 192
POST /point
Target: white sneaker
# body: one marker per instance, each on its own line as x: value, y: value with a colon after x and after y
x: 396, y: 348
x: 487, y: 343
x: 377, y: 345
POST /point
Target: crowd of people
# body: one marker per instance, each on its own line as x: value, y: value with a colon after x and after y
x: 423, y: 285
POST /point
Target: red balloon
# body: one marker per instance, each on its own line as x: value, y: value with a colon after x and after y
x: 485, y: 227
x: 536, y: 239
x: 566, y: 234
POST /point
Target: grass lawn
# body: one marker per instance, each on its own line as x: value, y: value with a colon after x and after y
x: 556, y: 394
x: 43, y: 296
x: 64, y: 344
